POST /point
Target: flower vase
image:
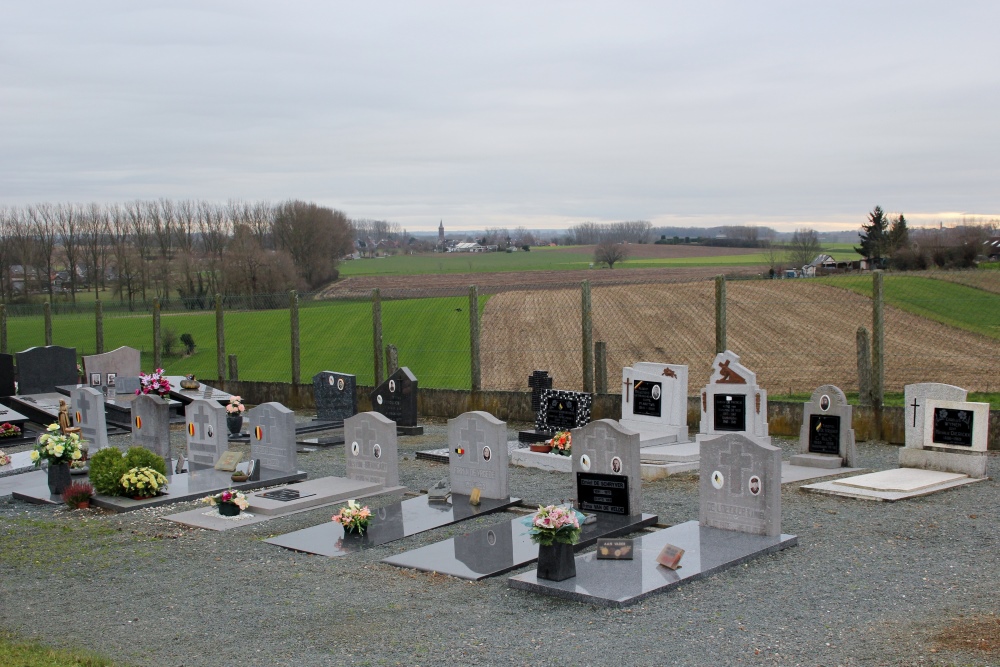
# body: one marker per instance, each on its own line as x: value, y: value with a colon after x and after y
x: 556, y: 562
x: 59, y: 478
x: 353, y: 534
x: 234, y: 423
x: 229, y: 509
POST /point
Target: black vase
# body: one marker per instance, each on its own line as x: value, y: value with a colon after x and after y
x: 59, y: 478
x: 556, y: 562
x: 234, y: 423
x: 229, y: 509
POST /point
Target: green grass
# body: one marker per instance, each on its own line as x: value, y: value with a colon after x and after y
x: 946, y: 302
x: 18, y: 653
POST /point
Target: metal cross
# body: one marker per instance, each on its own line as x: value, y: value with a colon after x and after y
x: 628, y: 389
x: 915, y: 405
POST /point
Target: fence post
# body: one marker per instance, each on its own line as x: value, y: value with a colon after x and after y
x: 878, y: 350
x: 3, y: 329
x: 234, y: 369
x: 99, y: 326
x: 391, y: 359
x: 588, y: 338
x: 377, y: 334
x: 475, y: 367
x: 220, y: 339
x: 293, y: 313
x: 864, y: 367
x: 157, y: 342
x: 720, y: 314
x: 601, y: 367
x: 47, y: 311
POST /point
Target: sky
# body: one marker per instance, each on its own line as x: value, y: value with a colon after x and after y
x: 534, y: 114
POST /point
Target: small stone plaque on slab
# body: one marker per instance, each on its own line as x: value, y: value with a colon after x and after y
x: 603, y: 493
x: 670, y: 556
x: 614, y: 549
x: 229, y: 460
x: 285, y: 495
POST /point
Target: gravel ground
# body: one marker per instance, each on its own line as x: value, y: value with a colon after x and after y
x: 869, y: 584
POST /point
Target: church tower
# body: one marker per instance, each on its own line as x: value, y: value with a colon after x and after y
x: 441, y: 234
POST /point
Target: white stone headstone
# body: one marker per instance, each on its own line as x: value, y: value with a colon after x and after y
x: 477, y: 456
x: 916, y: 397
x: 654, y: 402
x: 371, y: 450
x: 943, y: 431
x: 732, y: 402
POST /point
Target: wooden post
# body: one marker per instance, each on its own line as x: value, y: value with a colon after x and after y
x: 47, y: 311
x: 588, y: 337
x: 99, y: 326
x: 475, y: 367
x: 377, y: 335
x: 157, y: 342
x: 220, y: 340
x: 234, y: 369
x: 3, y: 328
x: 720, y: 314
x: 293, y: 314
x: 601, y: 367
x: 391, y: 359
x: 864, y: 367
x: 878, y: 349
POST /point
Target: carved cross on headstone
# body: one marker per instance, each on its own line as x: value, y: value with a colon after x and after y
x: 83, y: 406
x: 915, y: 405
x: 267, y: 422
x: 597, y: 441
x: 202, y: 420
x: 367, y: 437
x: 474, y: 438
x: 731, y: 462
x: 628, y: 389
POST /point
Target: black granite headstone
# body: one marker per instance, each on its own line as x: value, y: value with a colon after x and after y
x: 336, y: 396
x: 563, y: 410
x: 824, y: 434
x: 396, y: 398
x: 6, y: 374
x: 730, y: 412
x: 953, y: 426
x: 41, y: 369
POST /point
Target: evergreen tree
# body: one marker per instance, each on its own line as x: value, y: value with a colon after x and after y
x: 874, y: 238
x: 899, y: 234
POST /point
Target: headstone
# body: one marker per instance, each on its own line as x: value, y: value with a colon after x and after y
x: 396, y: 398
x: 151, y: 424
x: 478, y: 455
x: 207, y: 435
x: 538, y: 382
x: 916, y: 396
x: 740, y: 485
x: 562, y: 410
x: 7, y: 387
x: 732, y: 402
x: 654, y: 402
x: 87, y: 408
x: 826, y: 439
x: 272, y: 437
x: 103, y: 370
x: 607, y: 469
x: 336, y: 396
x: 41, y: 369
x: 944, y: 432
x: 372, y: 455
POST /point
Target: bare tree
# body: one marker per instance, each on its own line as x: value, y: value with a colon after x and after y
x: 94, y: 239
x: 610, y: 253
x: 804, y: 247
x: 70, y: 237
x: 315, y: 237
x: 7, y: 254
x: 44, y: 228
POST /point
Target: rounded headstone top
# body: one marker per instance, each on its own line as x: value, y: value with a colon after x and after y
x: 836, y: 396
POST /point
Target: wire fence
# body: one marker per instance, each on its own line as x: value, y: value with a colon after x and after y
x: 796, y: 334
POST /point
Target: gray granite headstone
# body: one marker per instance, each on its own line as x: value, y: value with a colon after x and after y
x: 336, y: 395
x: 916, y: 397
x: 87, y: 408
x: 396, y: 398
x: 272, y: 437
x: 207, y: 435
x: 151, y: 424
x: 477, y: 456
x: 740, y: 485
x: 128, y: 384
x: 103, y: 370
x: 41, y: 369
x: 605, y: 453
x: 6, y: 374
x: 370, y: 448
x: 826, y: 429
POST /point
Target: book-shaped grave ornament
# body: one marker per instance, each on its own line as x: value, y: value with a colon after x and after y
x: 396, y: 398
x: 560, y: 410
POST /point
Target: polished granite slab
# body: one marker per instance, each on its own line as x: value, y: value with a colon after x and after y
x: 312, y: 493
x: 389, y: 523
x: 203, y: 391
x: 618, y: 583
x: 504, y: 547
x: 181, y: 487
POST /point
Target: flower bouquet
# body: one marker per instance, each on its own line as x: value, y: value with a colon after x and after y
x: 143, y: 483
x: 56, y: 448
x: 555, y: 530
x: 353, y: 518
x: 154, y: 383
x: 235, y: 405
x: 561, y: 443
x: 8, y: 430
x: 229, y: 502
x: 4, y: 459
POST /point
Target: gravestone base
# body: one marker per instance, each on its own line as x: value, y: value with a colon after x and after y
x: 533, y: 437
x: 619, y: 583
x: 409, y: 430
x: 817, y: 460
x: 892, y: 485
x: 686, y: 452
x: 552, y: 462
x: 650, y: 472
x: 972, y: 464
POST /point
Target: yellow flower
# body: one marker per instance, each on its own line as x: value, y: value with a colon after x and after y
x: 59, y: 449
x: 35, y: 455
x: 52, y: 428
x: 76, y: 454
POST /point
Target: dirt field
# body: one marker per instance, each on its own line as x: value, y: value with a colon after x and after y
x: 796, y: 335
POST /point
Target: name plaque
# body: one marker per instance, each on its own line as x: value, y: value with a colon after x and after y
x: 647, y: 398
x: 730, y: 412
x: 824, y: 434
x: 953, y: 427
x: 603, y: 493
x: 614, y: 549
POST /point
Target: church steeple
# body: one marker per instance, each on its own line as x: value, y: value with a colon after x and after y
x: 441, y: 233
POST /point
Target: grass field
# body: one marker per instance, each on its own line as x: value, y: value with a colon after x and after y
x: 16, y: 653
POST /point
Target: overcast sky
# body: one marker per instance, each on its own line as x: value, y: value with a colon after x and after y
x: 541, y: 114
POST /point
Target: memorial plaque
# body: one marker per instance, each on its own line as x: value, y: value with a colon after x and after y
x: 563, y: 410
x: 647, y: 396
x: 41, y: 369
x: 669, y: 556
x: 396, y: 398
x: 336, y: 395
x: 228, y: 461
x: 730, y: 412
x: 285, y: 495
x: 597, y: 492
x: 371, y: 449
x: 953, y: 427
x: 615, y: 549
x: 824, y: 434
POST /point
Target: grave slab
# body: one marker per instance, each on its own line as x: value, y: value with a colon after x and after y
x: 312, y: 493
x: 619, y: 583
x: 892, y: 485
x: 11, y: 416
x: 503, y: 547
x: 526, y: 458
x: 390, y: 523
x: 204, y: 392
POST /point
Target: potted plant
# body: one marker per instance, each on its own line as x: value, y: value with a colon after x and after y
x: 154, y: 383
x: 57, y: 450
x: 8, y: 430
x: 142, y: 483
x: 353, y: 518
x: 77, y: 495
x: 229, y: 502
x: 555, y: 529
x: 234, y: 414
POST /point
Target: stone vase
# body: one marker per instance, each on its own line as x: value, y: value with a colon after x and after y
x: 556, y: 562
x: 234, y: 423
x: 59, y: 478
x: 229, y: 509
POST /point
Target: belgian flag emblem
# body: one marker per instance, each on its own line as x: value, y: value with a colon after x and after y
x: 191, y: 429
x: 258, y: 432
x: 79, y: 417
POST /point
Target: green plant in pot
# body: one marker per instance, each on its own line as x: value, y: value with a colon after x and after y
x: 77, y: 495
x: 106, y: 469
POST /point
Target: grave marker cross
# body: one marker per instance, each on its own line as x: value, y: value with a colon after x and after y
x: 915, y: 405
x: 474, y: 437
x: 628, y: 388
x: 201, y: 419
x: 367, y: 436
x: 83, y: 403
x: 731, y: 461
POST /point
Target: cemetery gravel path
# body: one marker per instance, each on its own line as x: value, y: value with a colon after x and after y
x: 869, y: 584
